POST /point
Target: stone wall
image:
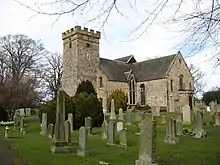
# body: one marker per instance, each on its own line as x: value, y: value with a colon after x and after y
x: 178, y: 68
x: 155, y: 92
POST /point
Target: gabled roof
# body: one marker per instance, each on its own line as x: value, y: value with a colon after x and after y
x: 117, y: 70
x: 127, y: 59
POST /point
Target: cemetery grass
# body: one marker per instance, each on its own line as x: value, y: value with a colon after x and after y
x: 190, y: 151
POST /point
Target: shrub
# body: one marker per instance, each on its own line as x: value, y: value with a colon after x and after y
x: 50, y: 108
x: 120, y: 100
x: 85, y: 86
x: 86, y: 105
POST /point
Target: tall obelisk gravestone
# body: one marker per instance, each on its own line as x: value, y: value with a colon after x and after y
x: 59, y: 144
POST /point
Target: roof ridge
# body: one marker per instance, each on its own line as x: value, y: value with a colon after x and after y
x: 155, y: 58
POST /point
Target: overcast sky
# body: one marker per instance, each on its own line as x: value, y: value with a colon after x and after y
x: 160, y: 39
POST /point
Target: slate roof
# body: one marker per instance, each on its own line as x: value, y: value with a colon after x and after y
x: 144, y: 71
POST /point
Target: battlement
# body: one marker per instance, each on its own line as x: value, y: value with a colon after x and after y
x: 80, y: 30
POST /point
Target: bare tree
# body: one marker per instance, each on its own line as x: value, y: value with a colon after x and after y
x: 53, y: 73
x: 199, y: 83
x: 19, y: 71
x: 199, y: 18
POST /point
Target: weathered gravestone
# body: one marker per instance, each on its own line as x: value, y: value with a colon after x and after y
x: 59, y: 144
x: 179, y: 123
x: 217, y: 118
x: 139, y: 116
x: 198, y: 125
x: 50, y: 130
x: 44, y: 124
x: 171, y: 136
x: 128, y: 117
x: 68, y: 131
x: 88, y: 124
x: 155, y: 110
x: 186, y: 114
x: 123, y: 138
x: 22, y: 128
x: 70, y: 118
x: 121, y: 115
x: 147, y: 150
x: 104, y: 129
x: 111, y: 132
x: 83, y: 138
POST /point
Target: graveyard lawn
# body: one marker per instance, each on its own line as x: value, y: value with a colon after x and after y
x: 36, y: 148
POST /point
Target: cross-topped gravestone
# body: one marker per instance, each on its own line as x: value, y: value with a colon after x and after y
x: 147, y: 151
x: 171, y: 136
x: 59, y: 144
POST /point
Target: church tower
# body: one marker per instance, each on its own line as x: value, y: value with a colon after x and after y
x: 80, y: 57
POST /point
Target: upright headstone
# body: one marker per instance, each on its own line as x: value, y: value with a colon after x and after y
x: 171, y: 136
x: 68, y: 131
x: 147, y: 151
x: 112, y: 113
x: 111, y: 132
x: 70, y: 118
x: 22, y: 124
x: 198, y: 125
x: 121, y: 115
x: 50, y: 130
x: 171, y: 104
x: 88, y: 124
x: 44, y: 124
x: 123, y: 138
x: 83, y: 136
x: 128, y: 117
x: 155, y: 110
x: 6, y: 131
x: 119, y: 126
x: 186, y: 114
x: 217, y: 118
x: 179, y: 123
x: 59, y: 144
x: 212, y: 107
x: 104, y: 129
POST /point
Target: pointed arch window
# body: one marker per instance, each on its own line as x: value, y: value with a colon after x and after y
x: 132, y: 91
x: 181, y: 82
x: 142, y: 87
x: 100, y: 82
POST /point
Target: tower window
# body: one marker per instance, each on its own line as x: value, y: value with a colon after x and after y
x: 180, y: 61
x: 70, y: 45
x: 88, y: 56
x: 87, y: 45
x: 100, y: 82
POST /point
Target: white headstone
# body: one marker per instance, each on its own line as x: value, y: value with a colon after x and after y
x: 208, y: 109
x: 119, y: 126
x: 186, y: 114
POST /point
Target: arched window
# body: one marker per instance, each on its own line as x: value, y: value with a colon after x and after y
x: 142, y: 87
x: 190, y: 86
x: 171, y: 85
x: 181, y: 82
x: 100, y: 82
x: 132, y: 91
x: 100, y: 100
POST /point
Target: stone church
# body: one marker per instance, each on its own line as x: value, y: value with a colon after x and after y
x: 164, y: 81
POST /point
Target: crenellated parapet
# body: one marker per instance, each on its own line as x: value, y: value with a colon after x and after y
x: 80, y: 30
